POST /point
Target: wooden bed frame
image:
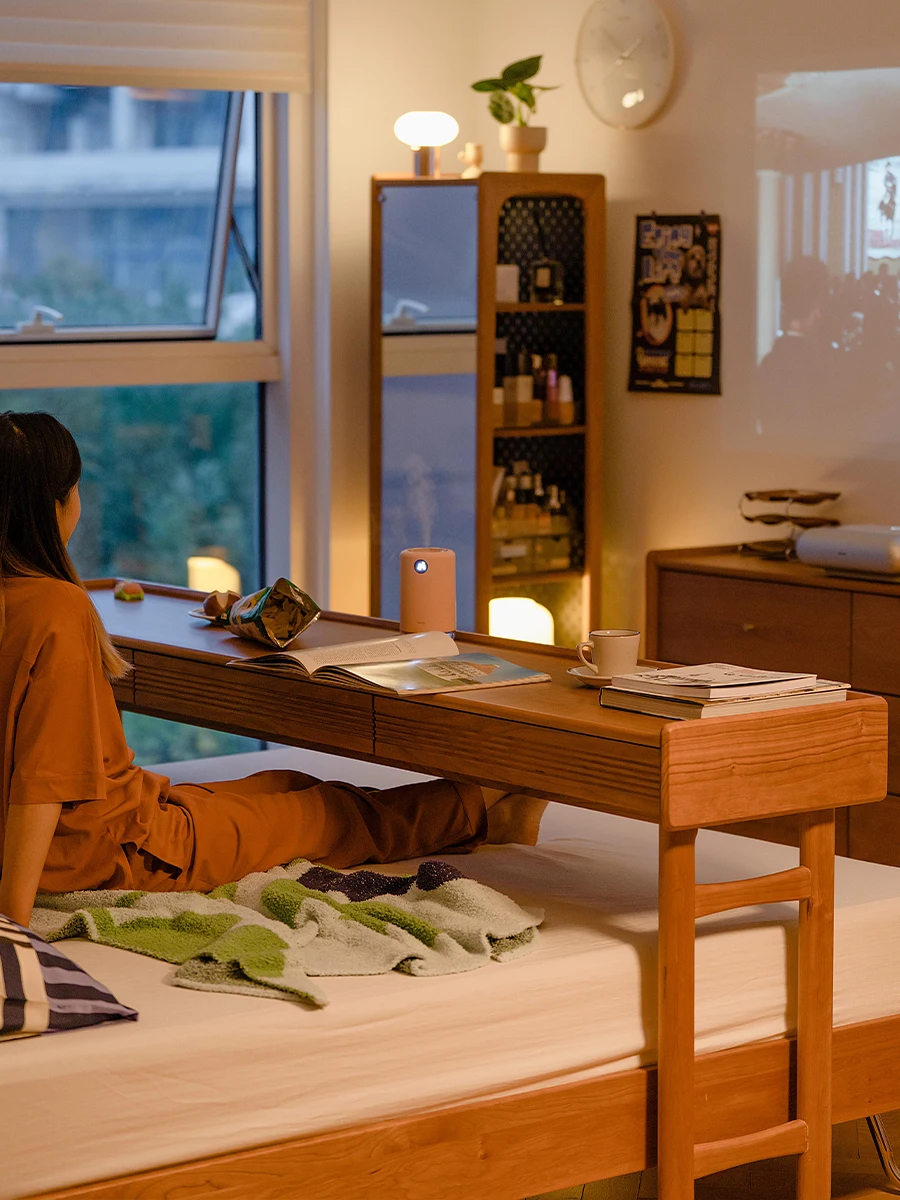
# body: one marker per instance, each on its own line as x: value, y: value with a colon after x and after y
x: 690, y: 1116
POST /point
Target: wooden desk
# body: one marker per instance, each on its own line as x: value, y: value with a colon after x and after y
x: 555, y: 740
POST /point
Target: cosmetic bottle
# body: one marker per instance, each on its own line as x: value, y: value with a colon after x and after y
x: 524, y: 389
x: 509, y: 389
x: 566, y: 401
x: 547, y: 281
x: 539, y: 389
x: 540, y: 500
x: 551, y: 391
x: 498, y: 414
x: 545, y: 273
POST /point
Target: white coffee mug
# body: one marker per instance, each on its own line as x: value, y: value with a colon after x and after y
x: 612, y: 651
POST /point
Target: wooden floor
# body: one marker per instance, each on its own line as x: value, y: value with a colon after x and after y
x: 857, y: 1175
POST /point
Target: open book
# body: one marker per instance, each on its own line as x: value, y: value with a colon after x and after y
x: 406, y: 664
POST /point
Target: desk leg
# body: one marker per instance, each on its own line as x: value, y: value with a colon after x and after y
x: 675, y: 1015
x: 815, y: 978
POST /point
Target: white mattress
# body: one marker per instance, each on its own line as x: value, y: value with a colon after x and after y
x: 201, y: 1074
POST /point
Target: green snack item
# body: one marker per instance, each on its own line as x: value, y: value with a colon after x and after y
x: 275, y: 615
x: 128, y: 589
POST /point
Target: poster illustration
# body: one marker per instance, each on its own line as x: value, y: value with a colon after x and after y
x: 675, y: 305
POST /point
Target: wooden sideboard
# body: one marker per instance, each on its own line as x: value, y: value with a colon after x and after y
x: 715, y: 604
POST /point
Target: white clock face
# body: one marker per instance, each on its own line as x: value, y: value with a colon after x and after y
x: 626, y: 60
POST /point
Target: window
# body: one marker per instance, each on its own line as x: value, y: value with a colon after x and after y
x: 168, y: 472
x: 133, y: 306
x: 126, y: 212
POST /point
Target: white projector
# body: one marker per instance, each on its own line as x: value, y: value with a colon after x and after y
x: 852, y: 549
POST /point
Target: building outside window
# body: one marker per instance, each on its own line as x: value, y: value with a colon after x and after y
x: 129, y: 234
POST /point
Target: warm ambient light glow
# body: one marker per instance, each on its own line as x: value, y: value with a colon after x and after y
x: 630, y: 99
x: 206, y: 574
x: 419, y: 129
x: 520, y: 618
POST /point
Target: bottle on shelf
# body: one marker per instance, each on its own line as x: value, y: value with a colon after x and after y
x: 547, y: 281
x: 517, y: 387
x: 545, y: 273
x: 539, y: 389
x: 551, y: 391
x: 566, y: 400
x: 540, y: 499
x: 524, y: 390
x: 560, y: 521
x: 525, y: 506
x: 497, y: 396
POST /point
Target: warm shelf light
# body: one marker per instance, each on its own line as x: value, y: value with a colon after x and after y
x: 521, y: 618
x: 425, y: 133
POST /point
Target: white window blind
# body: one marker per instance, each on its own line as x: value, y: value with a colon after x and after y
x: 228, y: 45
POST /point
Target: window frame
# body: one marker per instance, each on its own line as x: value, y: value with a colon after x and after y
x: 223, y: 219
x: 121, y: 360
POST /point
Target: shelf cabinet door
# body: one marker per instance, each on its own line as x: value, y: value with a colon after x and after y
x: 425, y: 255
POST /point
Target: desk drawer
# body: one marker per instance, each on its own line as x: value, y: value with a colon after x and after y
x: 707, y: 618
x: 123, y: 689
x: 875, y: 831
x: 876, y: 644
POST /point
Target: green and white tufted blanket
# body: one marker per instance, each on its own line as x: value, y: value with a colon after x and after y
x: 268, y: 933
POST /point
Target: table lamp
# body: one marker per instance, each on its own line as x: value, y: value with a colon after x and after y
x: 425, y: 133
x: 520, y: 618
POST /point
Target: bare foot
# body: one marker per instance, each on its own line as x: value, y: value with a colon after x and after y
x: 513, y: 817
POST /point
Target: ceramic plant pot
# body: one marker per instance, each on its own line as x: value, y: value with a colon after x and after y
x: 523, y: 145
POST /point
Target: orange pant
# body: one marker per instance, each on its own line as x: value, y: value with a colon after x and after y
x: 252, y: 824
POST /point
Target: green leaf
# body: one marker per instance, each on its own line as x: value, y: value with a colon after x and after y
x: 501, y: 108
x: 518, y: 71
x: 524, y: 92
x: 488, y: 85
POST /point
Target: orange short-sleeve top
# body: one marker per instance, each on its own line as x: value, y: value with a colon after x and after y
x: 62, y: 738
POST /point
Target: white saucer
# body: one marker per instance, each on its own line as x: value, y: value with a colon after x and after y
x: 588, y: 677
x: 201, y: 615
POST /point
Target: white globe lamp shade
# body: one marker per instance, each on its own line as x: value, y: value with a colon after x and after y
x: 520, y: 618
x: 425, y: 133
x: 419, y: 129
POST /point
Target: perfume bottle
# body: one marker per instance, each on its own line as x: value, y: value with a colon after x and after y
x: 547, y: 281
x: 545, y: 273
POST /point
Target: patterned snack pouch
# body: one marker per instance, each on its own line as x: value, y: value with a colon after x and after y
x: 275, y: 615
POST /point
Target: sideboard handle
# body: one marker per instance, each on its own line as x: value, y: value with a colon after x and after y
x: 748, y: 627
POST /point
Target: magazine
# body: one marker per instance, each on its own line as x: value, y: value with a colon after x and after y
x: 405, y: 664
x: 709, y: 681
x: 683, y: 709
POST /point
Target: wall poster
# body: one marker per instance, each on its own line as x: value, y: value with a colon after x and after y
x: 675, y: 305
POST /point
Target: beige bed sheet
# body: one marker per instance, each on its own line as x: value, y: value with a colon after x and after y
x: 202, y: 1074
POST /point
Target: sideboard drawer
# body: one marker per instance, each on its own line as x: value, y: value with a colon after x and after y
x: 708, y: 618
x: 875, y: 831
x: 876, y: 643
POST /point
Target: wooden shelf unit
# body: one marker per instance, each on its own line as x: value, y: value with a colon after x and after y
x: 574, y: 330
x: 498, y: 192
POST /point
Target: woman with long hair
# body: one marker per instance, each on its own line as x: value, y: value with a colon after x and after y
x: 77, y: 812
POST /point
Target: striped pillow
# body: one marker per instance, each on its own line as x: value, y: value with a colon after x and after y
x: 43, y: 991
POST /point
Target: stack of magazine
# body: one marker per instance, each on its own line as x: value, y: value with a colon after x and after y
x: 716, y: 690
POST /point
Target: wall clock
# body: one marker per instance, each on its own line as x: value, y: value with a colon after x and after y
x: 626, y: 60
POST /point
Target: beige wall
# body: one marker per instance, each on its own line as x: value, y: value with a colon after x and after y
x: 675, y: 467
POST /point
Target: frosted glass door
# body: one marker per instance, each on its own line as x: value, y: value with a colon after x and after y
x: 428, y: 400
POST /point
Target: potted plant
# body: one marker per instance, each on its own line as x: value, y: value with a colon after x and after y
x: 513, y: 103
